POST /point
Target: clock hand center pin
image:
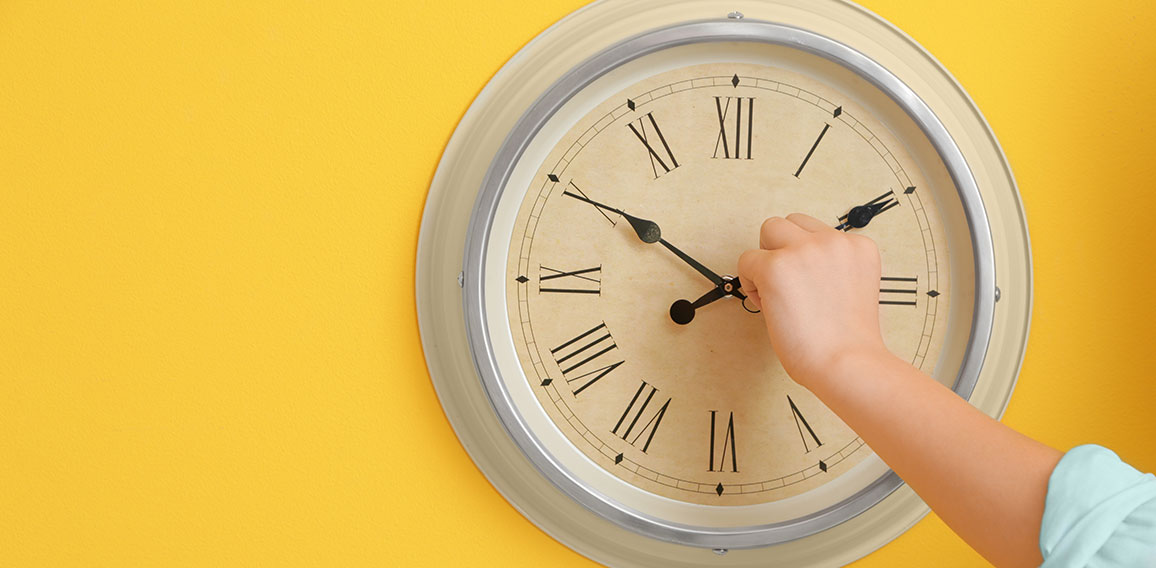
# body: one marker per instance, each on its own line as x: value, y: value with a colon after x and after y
x: 681, y: 311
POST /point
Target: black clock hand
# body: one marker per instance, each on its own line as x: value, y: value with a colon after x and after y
x: 646, y: 229
x: 710, y: 275
x: 682, y: 311
x: 649, y: 232
x: 860, y: 215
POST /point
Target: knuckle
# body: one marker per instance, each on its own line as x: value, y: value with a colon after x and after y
x: 770, y: 223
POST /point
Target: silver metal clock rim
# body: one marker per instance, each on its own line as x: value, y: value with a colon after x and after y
x: 478, y: 233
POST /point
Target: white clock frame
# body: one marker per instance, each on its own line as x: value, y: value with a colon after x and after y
x: 490, y: 137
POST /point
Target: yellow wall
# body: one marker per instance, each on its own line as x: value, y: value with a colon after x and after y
x: 208, y: 223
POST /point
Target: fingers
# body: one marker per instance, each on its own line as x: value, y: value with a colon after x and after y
x: 778, y: 232
x: 809, y: 223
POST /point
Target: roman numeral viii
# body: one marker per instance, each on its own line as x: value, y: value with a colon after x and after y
x: 587, y: 358
x: 734, y: 140
x: 644, y: 135
x: 630, y: 417
x: 582, y: 281
x: 728, y: 440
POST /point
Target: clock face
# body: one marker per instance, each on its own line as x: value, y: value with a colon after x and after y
x: 588, y: 342
x: 701, y: 412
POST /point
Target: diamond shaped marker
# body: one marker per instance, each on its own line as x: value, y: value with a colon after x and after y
x: 629, y: 104
x: 552, y: 178
x: 823, y: 466
x: 617, y: 459
x: 522, y: 279
x: 933, y: 293
x: 735, y: 80
x: 547, y: 382
x: 719, y: 490
x: 909, y: 190
x: 838, y: 112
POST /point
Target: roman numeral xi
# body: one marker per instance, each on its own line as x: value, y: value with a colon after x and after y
x: 651, y: 136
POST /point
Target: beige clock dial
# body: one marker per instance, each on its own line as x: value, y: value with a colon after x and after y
x: 610, y: 383
x: 701, y: 411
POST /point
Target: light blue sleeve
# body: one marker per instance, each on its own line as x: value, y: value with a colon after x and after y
x: 1099, y: 512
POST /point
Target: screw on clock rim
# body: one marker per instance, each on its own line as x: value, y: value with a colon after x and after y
x: 478, y: 234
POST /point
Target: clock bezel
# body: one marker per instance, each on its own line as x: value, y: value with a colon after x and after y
x: 571, y: 82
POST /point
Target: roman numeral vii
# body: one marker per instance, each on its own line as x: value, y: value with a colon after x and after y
x: 624, y: 428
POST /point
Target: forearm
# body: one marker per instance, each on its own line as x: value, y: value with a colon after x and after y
x: 986, y: 481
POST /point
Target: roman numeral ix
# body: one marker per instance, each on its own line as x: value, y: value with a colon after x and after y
x: 734, y: 140
x: 634, y: 415
x: 643, y: 133
x: 584, y: 281
x: 582, y: 359
x: 728, y: 440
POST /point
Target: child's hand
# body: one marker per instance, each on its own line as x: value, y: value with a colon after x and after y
x: 818, y: 289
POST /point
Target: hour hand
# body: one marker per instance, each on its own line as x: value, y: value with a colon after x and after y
x: 860, y: 215
x: 682, y: 311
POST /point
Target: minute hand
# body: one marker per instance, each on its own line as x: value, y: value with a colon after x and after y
x: 649, y: 232
x: 710, y: 275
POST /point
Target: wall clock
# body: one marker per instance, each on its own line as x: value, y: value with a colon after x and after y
x: 575, y: 293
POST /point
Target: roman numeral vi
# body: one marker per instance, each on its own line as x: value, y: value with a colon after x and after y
x: 728, y: 440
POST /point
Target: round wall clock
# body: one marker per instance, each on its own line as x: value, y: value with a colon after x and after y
x: 579, y: 313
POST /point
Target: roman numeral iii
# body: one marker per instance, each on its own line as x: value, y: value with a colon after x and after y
x: 630, y: 417
x: 734, y: 140
x: 897, y: 291
x: 728, y: 440
x: 587, y: 358
x: 644, y: 132
x: 582, y: 281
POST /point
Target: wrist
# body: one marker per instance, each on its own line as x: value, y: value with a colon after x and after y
x: 848, y: 363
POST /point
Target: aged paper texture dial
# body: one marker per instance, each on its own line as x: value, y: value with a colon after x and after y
x: 702, y: 412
